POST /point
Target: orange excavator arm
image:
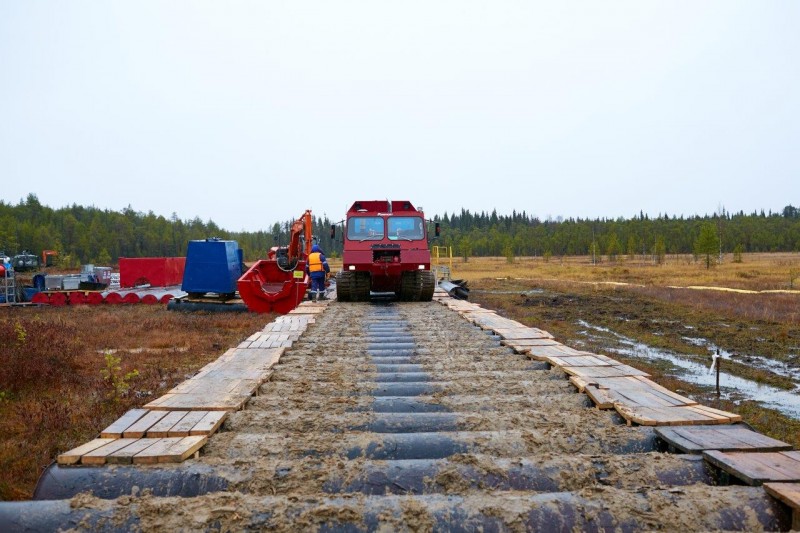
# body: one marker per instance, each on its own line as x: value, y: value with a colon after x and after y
x: 300, y: 227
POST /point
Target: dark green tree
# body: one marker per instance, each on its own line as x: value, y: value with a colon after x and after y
x: 613, y: 247
x: 707, y: 243
x: 659, y: 250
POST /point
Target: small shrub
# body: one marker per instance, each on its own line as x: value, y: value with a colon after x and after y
x: 737, y: 253
x: 119, y: 381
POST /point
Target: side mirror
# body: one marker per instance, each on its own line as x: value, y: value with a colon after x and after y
x: 333, y: 231
x: 437, y: 230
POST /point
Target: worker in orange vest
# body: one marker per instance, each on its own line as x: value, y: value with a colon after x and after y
x: 317, y: 268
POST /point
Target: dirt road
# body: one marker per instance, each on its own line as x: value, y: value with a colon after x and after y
x: 407, y: 417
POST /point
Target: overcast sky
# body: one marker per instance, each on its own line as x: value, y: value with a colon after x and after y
x: 249, y: 113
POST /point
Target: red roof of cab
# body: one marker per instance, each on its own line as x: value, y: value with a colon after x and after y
x: 382, y: 206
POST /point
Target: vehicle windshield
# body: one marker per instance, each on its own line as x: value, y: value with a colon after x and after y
x: 405, y: 228
x: 365, y: 228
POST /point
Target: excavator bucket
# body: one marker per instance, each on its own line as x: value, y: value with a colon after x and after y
x: 266, y: 288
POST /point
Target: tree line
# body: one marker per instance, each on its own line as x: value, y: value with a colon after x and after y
x: 91, y: 235
x: 520, y: 234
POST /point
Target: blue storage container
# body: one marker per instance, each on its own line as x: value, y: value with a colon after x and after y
x: 212, y: 265
x: 30, y: 292
x: 39, y: 282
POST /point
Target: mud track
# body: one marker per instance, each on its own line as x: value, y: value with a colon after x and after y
x: 406, y: 417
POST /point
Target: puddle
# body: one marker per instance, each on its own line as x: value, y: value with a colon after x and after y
x: 776, y: 367
x: 732, y: 387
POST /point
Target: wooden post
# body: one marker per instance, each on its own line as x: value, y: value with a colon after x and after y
x: 717, y: 365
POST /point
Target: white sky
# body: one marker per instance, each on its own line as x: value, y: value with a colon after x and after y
x: 249, y: 113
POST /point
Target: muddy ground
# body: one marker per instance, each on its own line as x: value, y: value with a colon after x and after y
x: 438, y: 427
x: 760, y: 345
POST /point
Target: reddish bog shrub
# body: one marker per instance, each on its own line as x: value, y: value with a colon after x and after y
x: 35, y: 353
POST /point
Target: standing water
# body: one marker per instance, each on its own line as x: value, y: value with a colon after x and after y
x: 732, y: 387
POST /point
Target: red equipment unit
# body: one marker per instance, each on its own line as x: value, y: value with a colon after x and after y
x: 41, y: 298
x: 385, y: 250
x: 77, y: 298
x: 58, y: 299
x: 149, y: 299
x: 94, y: 298
x: 155, y: 271
x: 113, y: 298
x: 266, y: 288
x: 279, y: 284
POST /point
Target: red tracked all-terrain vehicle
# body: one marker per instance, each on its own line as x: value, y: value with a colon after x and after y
x: 385, y: 250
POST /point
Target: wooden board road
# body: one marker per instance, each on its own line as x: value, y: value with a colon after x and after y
x: 789, y: 494
x: 755, y: 468
x: 609, y: 383
x: 176, y: 425
x: 736, y: 438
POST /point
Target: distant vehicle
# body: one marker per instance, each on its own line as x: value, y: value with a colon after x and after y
x: 385, y: 250
x: 25, y: 261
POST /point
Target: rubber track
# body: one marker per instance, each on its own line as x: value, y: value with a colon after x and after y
x: 344, y: 280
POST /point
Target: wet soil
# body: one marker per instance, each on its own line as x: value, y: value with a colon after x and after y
x: 765, y: 352
x: 472, y: 437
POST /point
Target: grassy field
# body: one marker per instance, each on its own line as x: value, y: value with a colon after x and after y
x: 756, y: 272
x: 69, y: 372
x: 662, y: 306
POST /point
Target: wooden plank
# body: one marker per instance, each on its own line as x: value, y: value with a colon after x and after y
x: 601, y: 397
x: 307, y: 310
x: 635, y: 399
x: 788, y: 493
x: 209, y: 423
x: 183, y: 449
x: 522, y: 333
x: 580, y: 360
x: 529, y: 342
x: 139, y: 428
x: 125, y: 455
x: 161, y: 428
x: 204, y: 402
x: 187, y: 423
x: 674, y: 399
x: 516, y: 347
x: 603, y: 371
x: 156, y: 404
x: 98, y: 456
x: 757, y: 467
x: 151, y: 454
x: 522, y: 348
x: 696, y: 439
x: 733, y: 417
x: 542, y: 353
x: 579, y: 382
x: 115, y: 430
x: 74, y: 455
x: 667, y: 416
x: 234, y: 372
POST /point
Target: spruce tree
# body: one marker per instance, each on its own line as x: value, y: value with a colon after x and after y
x: 707, y: 243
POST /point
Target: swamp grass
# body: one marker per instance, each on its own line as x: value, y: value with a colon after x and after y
x: 635, y: 300
x: 53, y: 395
